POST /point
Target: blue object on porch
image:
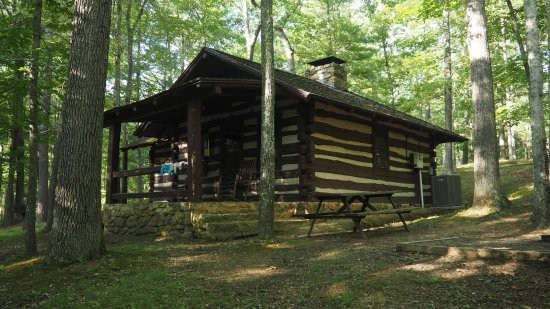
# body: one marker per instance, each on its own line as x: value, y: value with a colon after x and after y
x: 166, y: 168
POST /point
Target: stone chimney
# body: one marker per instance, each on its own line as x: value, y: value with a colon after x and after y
x: 329, y: 71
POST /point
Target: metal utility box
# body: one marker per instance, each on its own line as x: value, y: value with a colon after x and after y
x: 446, y: 191
x: 417, y: 160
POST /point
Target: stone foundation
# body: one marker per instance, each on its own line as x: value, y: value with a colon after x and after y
x: 216, y: 220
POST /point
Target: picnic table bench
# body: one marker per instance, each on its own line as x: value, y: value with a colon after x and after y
x: 346, y: 211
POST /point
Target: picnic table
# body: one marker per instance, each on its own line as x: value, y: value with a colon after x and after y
x: 346, y: 211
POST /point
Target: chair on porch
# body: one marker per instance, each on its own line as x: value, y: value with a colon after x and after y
x: 243, y: 185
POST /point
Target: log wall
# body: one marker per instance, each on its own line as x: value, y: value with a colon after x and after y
x: 340, y: 157
x: 242, y: 121
x: 319, y: 148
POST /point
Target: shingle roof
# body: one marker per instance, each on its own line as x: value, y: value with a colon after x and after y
x: 310, y: 89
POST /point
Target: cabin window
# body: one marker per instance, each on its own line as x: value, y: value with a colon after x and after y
x: 381, y: 149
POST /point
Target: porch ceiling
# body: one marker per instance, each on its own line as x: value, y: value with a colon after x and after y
x: 170, y: 106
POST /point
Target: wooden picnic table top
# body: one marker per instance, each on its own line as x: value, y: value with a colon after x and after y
x: 347, y: 197
x: 350, y: 194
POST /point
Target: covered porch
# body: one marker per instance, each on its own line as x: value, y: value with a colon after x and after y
x: 209, y: 128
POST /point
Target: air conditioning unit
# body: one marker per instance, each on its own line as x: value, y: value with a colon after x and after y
x: 417, y: 160
x: 446, y: 191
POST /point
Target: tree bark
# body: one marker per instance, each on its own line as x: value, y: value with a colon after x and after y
x: 30, y: 213
x: 519, y: 40
x: 118, y: 52
x: 250, y: 36
x: 18, y: 138
x: 138, y: 97
x: 14, y: 189
x: 465, y: 149
x: 267, y: 152
x: 53, y: 181
x: 509, y: 127
x: 289, y: 51
x: 1, y: 168
x: 541, y: 184
x: 77, y: 232
x: 9, y: 194
x: 448, y: 159
x: 43, y: 206
x: 502, y: 142
x: 488, y: 193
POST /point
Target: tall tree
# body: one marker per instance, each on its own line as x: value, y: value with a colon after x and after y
x: 43, y: 206
x: 488, y: 192
x: 250, y: 33
x: 541, y: 213
x: 14, y: 189
x: 509, y: 129
x: 30, y: 213
x: 267, y: 153
x: 53, y: 180
x: 77, y: 232
x: 448, y: 160
x: 517, y: 35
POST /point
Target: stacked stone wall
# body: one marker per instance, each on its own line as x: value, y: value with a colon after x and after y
x: 219, y: 221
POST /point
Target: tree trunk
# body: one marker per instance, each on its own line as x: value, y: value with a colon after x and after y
x: 52, y: 186
x: 138, y: 97
x: 15, y: 187
x: 77, y: 232
x: 541, y: 185
x: 43, y: 205
x: 509, y: 127
x: 448, y: 159
x: 465, y: 150
x: 427, y: 112
x: 1, y: 168
x: 30, y: 213
x: 8, y: 218
x: 118, y: 52
x: 249, y: 36
x: 289, y: 51
x: 519, y: 40
x: 388, y: 73
x: 267, y: 153
x: 488, y: 193
x: 53, y: 176
x: 18, y: 138
x: 510, y: 134
x: 548, y: 54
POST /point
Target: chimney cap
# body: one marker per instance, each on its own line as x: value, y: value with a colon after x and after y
x: 326, y: 60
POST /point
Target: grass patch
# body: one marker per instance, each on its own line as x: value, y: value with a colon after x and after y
x: 336, y: 270
x: 516, y: 179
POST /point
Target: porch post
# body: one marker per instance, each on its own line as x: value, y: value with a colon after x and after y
x: 194, y: 146
x: 124, y: 180
x: 113, y: 163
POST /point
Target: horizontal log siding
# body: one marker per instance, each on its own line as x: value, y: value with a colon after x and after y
x: 290, y: 148
x: 245, y: 117
x: 342, y: 161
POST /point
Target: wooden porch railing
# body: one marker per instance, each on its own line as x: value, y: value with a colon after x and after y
x: 123, y: 196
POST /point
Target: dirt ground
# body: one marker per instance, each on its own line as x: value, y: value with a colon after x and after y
x: 334, y: 268
x: 489, y: 282
x: 370, y: 273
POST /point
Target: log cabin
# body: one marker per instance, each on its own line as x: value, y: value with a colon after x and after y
x: 327, y: 139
